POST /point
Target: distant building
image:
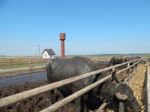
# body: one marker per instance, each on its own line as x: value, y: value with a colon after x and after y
x: 48, y: 54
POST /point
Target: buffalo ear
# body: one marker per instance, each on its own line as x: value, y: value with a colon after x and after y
x: 120, y: 96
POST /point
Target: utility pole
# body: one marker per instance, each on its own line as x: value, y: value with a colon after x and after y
x: 39, y: 51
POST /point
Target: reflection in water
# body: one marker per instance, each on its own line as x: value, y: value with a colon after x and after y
x: 22, y: 79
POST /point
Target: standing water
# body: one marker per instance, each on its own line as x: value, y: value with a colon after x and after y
x: 22, y: 79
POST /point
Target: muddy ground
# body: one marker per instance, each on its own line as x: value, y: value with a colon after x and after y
x: 34, y: 104
x: 37, y: 103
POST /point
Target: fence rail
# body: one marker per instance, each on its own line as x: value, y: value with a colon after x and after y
x: 125, y: 81
x: 30, y: 93
x: 77, y: 94
x: 7, y: 63
x: 14, y: 66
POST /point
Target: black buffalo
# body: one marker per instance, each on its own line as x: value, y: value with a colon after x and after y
x: 113, y: 93
x: 121, y: 59
x: 117, y: 60
x: 125, y: 93
x: 61, y: 69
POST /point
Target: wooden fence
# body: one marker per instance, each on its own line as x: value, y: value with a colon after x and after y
x: 14, y: 66
x: 30, y: 93
x: 7, y: 63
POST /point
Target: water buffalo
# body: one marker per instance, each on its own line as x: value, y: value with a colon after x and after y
x: 121, y: 59
x: 114, y: 93
x: 117, y: 60
x: 122, y: 91
x: 61, y: 69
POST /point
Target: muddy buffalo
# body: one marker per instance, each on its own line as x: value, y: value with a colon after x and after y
x: 115, y: 93
x: 117, y: 60
x: 61, y: 69
x: 122, y: 59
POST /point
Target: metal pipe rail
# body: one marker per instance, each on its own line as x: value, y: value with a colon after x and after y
x: 77, y: 94
x: 30, y: 93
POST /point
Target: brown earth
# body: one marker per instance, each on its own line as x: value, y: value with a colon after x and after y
x: 41, y: 101
x: 34, y: 104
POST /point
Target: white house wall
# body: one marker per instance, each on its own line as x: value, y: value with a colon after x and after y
x: 45, y: 55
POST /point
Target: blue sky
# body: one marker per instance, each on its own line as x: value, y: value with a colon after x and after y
x: 91, y: 26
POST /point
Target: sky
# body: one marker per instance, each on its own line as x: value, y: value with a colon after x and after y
x: 91, y: 26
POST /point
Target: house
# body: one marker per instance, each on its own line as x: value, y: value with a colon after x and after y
x: 48, y: 53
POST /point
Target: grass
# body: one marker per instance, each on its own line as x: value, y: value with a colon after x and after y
x: 19, y: 62
x: 11, y: 63
x: 10, y: 66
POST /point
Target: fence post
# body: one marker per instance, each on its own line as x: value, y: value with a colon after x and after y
x: 128, y: 66
x: 11, y: 62
x: 30, y: 65
x: 128, y: 72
